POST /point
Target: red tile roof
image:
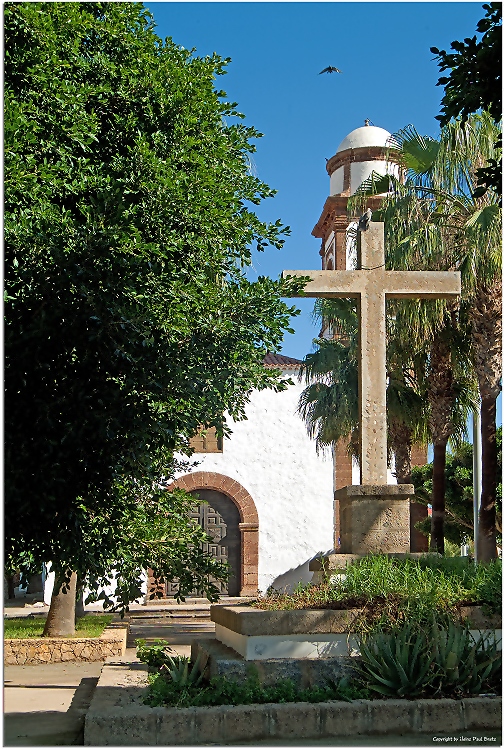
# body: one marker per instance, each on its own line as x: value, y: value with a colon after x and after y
x: 282, y: 362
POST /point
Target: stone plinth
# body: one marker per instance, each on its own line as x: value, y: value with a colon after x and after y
x: 375, y: 519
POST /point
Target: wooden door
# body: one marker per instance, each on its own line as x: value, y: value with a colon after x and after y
x: 220, y: 518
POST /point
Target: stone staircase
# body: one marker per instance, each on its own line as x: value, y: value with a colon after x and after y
x: 165, y: 619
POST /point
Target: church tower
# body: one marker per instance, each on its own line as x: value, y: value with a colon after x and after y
x: 365, y: 150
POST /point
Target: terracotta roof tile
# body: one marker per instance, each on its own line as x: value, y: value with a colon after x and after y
x: 280, y: 361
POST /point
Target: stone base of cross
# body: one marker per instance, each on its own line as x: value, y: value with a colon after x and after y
x: 374, y: 515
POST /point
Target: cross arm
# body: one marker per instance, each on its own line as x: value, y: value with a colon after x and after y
x: 399, y: 284
x: 329, y: 283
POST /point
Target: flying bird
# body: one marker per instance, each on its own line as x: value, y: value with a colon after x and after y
x: 364, y: 221
x: 330, y: 69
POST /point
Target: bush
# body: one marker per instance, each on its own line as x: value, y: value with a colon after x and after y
x: 221, y: 691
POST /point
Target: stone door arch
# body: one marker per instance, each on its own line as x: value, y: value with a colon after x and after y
x: 248, y: 525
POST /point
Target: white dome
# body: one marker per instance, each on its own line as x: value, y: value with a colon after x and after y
x: 367, y: 135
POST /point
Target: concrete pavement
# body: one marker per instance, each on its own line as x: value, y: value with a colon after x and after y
x: 45, y: 704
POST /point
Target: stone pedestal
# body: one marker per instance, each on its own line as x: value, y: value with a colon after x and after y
x: 375, y: 518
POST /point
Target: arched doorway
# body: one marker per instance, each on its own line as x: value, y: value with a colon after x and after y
x: 222, y: 493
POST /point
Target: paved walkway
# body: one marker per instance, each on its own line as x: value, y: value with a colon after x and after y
x: 45, y: 704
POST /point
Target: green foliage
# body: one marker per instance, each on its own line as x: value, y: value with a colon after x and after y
x: 89, y: 626
x: 437, y: 658
x: 153, y: 653
x: 129, y: 321
x: 464, y: 664
x: 459, y: 519
x: 396, y: 663
x: 222, y: 691
x: 474, y: 81
x: 392, y: 590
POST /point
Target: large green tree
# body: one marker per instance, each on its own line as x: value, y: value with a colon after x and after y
x: 129, y: 320
x: 474, y: 83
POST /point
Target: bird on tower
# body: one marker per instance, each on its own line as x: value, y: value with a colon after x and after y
x: 364, y: 221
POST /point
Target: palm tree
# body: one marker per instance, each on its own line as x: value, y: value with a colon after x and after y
x: 329, y: 403
x: 434, y: 220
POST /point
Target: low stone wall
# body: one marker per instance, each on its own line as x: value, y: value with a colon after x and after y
x: 253, y: 622
x: 118, y: 717
x: 112, y: 642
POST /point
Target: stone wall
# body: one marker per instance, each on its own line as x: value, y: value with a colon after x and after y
x: 52, y: 650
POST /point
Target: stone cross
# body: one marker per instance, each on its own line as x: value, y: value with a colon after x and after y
x: 371, y: 284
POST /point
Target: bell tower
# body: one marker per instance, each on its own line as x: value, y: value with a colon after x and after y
x: 365, y: 150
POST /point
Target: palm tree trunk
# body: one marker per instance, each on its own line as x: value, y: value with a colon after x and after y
x: 438, y: 498
x: 486, y: 335
x: 442, y: 398
x: 487, y: 544
x: 61, y: 616
x: 10, y: 586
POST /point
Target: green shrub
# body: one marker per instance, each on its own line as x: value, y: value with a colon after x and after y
x: 154, y: 653
x: 393, y: 591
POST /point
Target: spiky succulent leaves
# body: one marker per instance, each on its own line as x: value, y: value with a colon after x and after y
x: 180, y: 674
x: 398, y: 662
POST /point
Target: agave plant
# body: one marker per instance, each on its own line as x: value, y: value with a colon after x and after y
x: 397, y: 663
x: 178, y: 671
x: 464, y: 663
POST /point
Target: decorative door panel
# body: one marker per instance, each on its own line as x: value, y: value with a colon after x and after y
x: 220, y: 518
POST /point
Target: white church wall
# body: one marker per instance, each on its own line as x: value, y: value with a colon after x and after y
x: 48, y: 577
x: 272, y: 457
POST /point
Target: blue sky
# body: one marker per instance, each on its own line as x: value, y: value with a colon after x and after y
x: 277, y: 50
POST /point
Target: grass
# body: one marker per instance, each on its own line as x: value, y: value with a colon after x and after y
x: 89, y: 626
x: 392, y: 590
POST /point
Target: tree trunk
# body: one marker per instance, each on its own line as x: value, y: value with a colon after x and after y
x: 486, y: 334
x: 487, y: 544
x: 79, y: 601
x: 438, y: 498
x: 10, y: 586
x: 61, y: 616
x: 402, y: 454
